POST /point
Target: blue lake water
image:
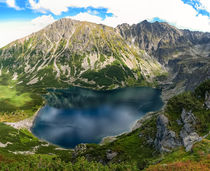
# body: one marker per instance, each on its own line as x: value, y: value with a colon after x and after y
x: 78, y: 115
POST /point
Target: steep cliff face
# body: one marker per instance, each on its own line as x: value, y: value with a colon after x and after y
x: 185, y: 54
x: 153, y: 36
x: 78, y: 53
x: 161, y: 39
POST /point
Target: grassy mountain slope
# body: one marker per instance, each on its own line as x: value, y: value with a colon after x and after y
x: 70, y: 52
x: 135, y: 150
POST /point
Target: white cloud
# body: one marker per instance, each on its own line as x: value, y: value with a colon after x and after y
x: 55, y: 6
x: 11, y: 3
x: 205, y: 4
x: 43, y: 21
x: 87, y: 17
x: 10, y: 31
x: 134, y: 11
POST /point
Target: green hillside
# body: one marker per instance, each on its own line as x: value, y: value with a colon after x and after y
x: 21, y: 150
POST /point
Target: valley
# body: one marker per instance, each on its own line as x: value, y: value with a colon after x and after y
x: 71, y: 54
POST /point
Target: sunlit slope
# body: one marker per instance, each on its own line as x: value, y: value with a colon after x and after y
x: 70, y: 52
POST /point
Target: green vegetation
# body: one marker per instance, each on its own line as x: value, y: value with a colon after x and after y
x: 37, y: 162
x: 132, y: 147
x: 114, y: 74
x: 17, y: 103
x: 10, y: 95
x: 180, y: 160
x: 42, y: 156
x: 20, y: 150
x: 190, y: 101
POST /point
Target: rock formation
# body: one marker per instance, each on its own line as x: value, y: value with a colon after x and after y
x: 187, y: 133
x: 166, y: 139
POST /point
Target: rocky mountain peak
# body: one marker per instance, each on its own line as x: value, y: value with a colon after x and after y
x: 74, y: 51
x: 70, y: 48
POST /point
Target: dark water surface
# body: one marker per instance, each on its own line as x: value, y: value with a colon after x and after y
x: 79, y: 115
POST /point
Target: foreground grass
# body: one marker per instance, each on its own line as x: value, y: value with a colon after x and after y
x: 197, y: 159
x: 42, y: 156
x: 25, y: 152
x: 18, y: 143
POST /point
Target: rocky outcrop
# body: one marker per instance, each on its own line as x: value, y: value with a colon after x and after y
x: 185, y: 54
x: 161, y: 39
x: 187, y: 133
x: 110, y: 154
x: 165, y: 139
x: 207, y: 100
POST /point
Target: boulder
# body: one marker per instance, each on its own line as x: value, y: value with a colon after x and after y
x: 110, y: 154
x: 189, y: 140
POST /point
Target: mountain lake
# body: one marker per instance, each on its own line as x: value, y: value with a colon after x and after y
x: 77, y: 115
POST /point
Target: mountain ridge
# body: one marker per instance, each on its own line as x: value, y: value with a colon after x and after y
x: 71, y: 52
x: 87, y: 46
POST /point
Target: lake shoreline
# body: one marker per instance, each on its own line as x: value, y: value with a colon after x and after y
x: 29, y: 123
x: 26, y: 123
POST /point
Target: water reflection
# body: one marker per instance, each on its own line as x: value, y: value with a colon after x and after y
x: 78, y: 115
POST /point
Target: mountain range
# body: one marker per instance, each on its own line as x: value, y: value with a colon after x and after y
x: 70, y: 52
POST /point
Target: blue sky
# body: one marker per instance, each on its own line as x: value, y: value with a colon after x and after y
x: 19, y: 18
x: 26, y: 13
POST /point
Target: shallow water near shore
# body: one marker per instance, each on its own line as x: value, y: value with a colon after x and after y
x: 76, y: 115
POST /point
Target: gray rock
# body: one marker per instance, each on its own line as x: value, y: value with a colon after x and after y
x: 207, y: 100
x: 150, y: 141
x: 110, y: 154
x: 188, y: 117
x: 187, y: 133
x: 179, y: 122
x: 165, y: 139
x: 190, y: 139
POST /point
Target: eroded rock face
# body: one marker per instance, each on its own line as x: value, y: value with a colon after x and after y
x: 165, y: 138
x: 184, y: 53
x: 187, y: 133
